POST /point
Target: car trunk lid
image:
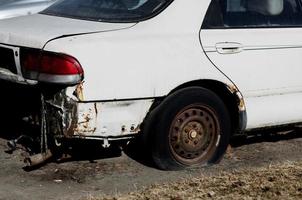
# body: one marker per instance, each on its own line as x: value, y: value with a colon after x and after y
x: 36, y: 30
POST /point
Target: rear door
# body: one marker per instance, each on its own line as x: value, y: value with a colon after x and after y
x: 258, y: 45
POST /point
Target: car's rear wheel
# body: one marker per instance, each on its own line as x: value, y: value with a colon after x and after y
x: 193, y: 128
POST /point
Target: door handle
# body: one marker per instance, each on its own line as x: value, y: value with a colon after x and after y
x: 228, y: 47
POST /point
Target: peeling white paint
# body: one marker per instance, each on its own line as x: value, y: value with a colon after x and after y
x: 111, y: 119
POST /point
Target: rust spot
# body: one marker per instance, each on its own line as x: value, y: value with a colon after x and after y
x: 87, y: 118
x: 241, y: 105
x: 234, y: 90
x: 79, y: 92
x: 83, y: 126
x: 135, y: 129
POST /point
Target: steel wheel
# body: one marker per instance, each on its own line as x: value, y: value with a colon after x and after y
x: 192, y: 127
x: 193, y: 134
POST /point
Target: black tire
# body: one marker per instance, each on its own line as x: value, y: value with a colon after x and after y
x: 192, y: 129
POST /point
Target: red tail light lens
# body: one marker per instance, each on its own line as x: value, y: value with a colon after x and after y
x: 50, y: 67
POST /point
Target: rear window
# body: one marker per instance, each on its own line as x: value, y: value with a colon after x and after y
x: 108, y: 10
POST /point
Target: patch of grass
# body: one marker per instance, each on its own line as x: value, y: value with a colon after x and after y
x: 279, y: 181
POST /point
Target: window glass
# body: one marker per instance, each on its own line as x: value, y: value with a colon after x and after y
x: 107, y: 10
x: 253, y: 13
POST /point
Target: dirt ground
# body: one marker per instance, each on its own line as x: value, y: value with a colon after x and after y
x: 277, y: 181
x: 91, y: 175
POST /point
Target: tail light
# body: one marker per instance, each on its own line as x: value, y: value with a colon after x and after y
x: 50, y: 67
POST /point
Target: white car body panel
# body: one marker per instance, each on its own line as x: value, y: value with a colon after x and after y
x: 143, y: 73
x: 34, y: 31
x: 273, y: 110
x: 259, y: 67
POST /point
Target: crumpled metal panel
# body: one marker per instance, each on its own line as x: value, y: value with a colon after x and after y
x: 69, y: 117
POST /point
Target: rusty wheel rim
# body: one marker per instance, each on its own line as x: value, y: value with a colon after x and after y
x: 194, y: 134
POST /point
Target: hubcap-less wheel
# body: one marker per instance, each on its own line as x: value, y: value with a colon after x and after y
x: 192, y: 127
x: 193, y: 134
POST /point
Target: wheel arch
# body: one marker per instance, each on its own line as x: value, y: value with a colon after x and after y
x: 229, y: 94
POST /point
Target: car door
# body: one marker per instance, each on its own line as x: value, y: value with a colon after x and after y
x: 258, y: 45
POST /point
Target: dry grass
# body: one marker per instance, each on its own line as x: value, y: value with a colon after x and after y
x: 282, y: 181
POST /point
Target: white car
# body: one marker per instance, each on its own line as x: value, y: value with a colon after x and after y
x: 16, y: 8
x: 183, y: 75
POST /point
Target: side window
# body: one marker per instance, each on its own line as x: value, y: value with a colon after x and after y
x: 253, y: 13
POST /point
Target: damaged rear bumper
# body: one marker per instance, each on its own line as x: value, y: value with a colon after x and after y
x: 69, y: 117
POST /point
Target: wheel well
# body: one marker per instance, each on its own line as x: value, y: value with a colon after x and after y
x: 230, y: 100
